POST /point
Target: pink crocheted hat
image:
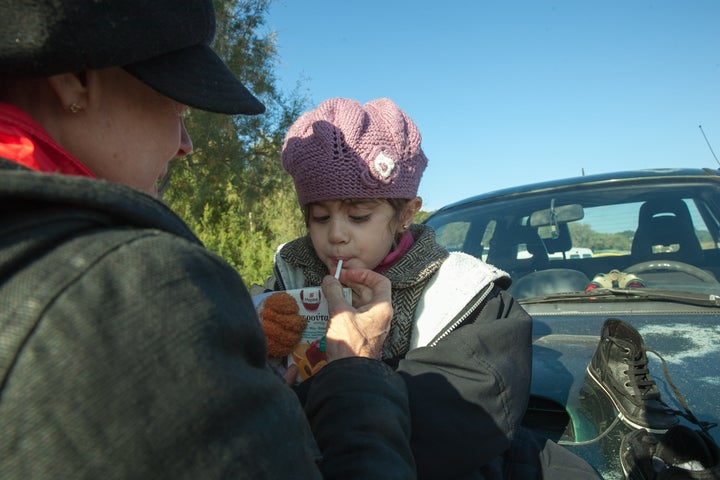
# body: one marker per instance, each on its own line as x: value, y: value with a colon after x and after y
x: 343, y: 149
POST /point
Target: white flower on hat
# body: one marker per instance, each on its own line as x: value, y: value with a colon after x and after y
x: 384, y: 165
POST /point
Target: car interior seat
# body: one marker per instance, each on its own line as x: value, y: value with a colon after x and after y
x: 545, y: 279
x: 666, y: 222
x: 536, y: 247
x: 505, y: 246
x: 561, y: 243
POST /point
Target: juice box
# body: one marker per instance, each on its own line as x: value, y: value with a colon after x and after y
x: 309, y: 354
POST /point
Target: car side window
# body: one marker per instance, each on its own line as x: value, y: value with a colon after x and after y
x: 704, y: 224
x: 471, y: 237
x: 452, y: 235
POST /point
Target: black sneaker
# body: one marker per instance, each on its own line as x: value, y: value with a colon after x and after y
x: 620, y: 367
x: 681, y: 453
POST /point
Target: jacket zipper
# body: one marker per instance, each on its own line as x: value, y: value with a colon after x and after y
x: 462, y: 316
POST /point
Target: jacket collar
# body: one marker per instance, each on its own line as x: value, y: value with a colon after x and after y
x: 26, y: 142
x: 122, y: 205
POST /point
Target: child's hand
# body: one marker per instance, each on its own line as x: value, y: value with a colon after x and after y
x: 357, y: 332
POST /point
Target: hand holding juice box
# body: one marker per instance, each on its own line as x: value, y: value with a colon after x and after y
x: 297, y: 331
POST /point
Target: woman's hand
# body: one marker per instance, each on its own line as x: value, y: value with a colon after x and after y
x: 357, y: 332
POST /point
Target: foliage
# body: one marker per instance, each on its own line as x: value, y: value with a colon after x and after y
x: 232, y: 190
x: 453, y: 235
x: 420, y: 216
x: 585, y: 236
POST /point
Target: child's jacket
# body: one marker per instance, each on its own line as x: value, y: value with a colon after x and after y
x: 463, y: 347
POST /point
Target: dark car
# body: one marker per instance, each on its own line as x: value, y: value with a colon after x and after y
x: 639, y: 246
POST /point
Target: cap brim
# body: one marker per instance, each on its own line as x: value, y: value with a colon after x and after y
x: 197, y: 77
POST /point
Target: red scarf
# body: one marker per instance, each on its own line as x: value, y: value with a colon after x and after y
x: 24, y: 141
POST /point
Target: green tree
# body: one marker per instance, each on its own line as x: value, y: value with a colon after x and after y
x: 420, y: 216
x: 584, y: 236
x: 232, y: 190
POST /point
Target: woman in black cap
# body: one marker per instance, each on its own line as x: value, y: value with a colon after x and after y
x: 127, y: 350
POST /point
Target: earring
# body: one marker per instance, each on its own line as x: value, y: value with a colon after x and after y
x: 74, y: 107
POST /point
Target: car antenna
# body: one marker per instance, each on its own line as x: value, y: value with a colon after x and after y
x: 708, y: 144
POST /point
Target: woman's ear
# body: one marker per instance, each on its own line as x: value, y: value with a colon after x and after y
x: 71, y: 91
x: 408, y: 213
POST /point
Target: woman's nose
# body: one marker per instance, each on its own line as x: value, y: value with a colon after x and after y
x: 186, y: 145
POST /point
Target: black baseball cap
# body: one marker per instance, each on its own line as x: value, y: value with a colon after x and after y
x: 164, y: 43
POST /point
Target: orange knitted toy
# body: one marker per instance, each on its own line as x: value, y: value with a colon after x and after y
x: 282, y: 324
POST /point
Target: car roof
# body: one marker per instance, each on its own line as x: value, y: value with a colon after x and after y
x: 574, y: 182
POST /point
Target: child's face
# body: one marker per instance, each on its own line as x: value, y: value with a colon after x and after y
x: 360, y: 233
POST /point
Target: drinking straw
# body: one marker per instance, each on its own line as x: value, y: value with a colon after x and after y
x: 339, y: 266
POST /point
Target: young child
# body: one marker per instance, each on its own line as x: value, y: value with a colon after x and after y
x: 461, y: 343
x: 356, y: 170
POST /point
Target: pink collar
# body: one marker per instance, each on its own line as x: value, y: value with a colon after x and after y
x: 406, y: 241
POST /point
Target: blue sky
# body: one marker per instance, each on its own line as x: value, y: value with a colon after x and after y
x: 513, y: 92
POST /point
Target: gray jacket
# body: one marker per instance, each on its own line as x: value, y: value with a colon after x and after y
x: 127, y: 350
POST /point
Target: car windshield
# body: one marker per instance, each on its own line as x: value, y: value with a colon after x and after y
x: 594, y: 236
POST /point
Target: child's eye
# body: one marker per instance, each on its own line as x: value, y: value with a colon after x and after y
x: 320, y: 218
x: 359, y: 218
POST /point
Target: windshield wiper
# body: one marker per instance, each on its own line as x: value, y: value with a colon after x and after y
x: 700, y: 299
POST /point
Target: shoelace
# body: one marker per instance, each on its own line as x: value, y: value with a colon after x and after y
x: 704, y: 426
x: 638, y: 373
x: 640, y: 367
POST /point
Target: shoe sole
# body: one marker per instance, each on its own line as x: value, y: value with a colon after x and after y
x: 626, y: 472
x: 622, y: 417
